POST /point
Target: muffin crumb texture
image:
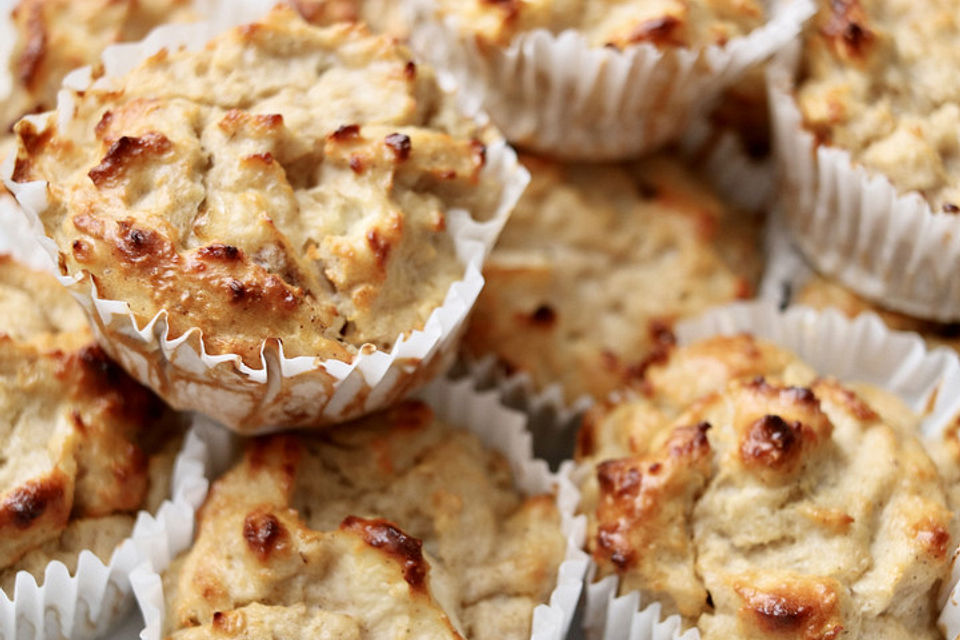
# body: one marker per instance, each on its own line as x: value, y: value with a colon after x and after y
x: 208, y: 185
x: 611, y: 23
x: 758, y: 500
x: 395, y: 526
x: 596, y: 264
x: 881, y: 79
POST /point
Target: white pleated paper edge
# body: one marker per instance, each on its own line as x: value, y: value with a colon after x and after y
x: 458, y: 404
x: 226, y: 389
x: 853, y: 224
x: 97, y: 596
x: 555, y: 93
x: 860, y: 350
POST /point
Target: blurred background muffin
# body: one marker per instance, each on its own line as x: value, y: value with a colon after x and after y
x: 597, y: 263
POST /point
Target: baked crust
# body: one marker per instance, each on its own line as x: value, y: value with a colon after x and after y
x: 610, y: 23
x: 226, y: 199
x: 880, y: 81
x: 382, y: 16
x: 759, y: 501
x: 595, y: 265
x: 54, y: 37
x: 394, y: 526
x: 80, y: 441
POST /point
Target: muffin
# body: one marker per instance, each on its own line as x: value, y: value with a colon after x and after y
x: 84, y: 447
x: 867, y: 143
x: 878, y: 80
x: 383, y: 16
x: 590, y: 80
x: 822, y: 293
x: 758, y: 500
x: 54, y: 37
x: 395, y: 526
x: 595, y: 266
x: 279, y: 197
x: 619, y: 24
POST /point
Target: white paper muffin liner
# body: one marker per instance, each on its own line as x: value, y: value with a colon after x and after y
x: 557, y: 94
x: 861, y: 350
x: 853, y: 224
x: 283, y: 391
x: 98, y: 595
x: 458, y: 404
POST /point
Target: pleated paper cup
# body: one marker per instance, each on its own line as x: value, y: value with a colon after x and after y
x: 93, y: 600
x: 861, y: 350
x: 557, y: 94
x: 854, y: 225
x: 282, y: 391
x: 460, y: 405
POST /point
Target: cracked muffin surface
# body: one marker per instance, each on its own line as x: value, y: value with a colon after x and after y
x: 82, y: 446
x: 595, y: 265
x: 758, y: 500
x: 211, y: 185
x: 881, y: 79
x: 396, y: 526
x: 610, y: 23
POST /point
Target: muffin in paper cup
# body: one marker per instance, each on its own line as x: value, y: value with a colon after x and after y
x: 602, y: 93
x: 98, y: 595
x: 866, y: 142
x: 376, y: 299
x: 594, y: 267
x: 366, y: 502
x: 861, y: 351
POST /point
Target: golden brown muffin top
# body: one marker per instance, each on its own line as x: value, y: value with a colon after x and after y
x: 760, y: 501
x: 597, y: 262
x: 76, y: 433
x: 285, y: 182
x: 612, y: 23
x: 881, y: 79
x: 54, y: 37
x: 395, y: 526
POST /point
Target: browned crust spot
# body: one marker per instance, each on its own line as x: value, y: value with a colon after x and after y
x: 410, y: 70
x: 28, y: 502
x: 346, y: 132
x: 400, y: 144
x: 123, y: 153
x: 543, y: 316
x: 35, y: 50
x: 663, y: 31
x: 387, y: 537
x: 221, y: 252
x: 261, y: 123
x: 772, y: 442
x: 802, y: 610
x: 380, y: 247
x: 933, y: 537
x: 264, y: 534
